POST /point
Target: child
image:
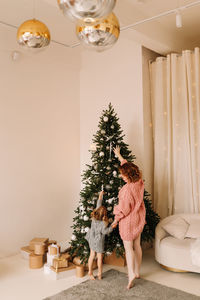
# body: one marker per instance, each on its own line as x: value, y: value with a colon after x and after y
x: 96, y: 236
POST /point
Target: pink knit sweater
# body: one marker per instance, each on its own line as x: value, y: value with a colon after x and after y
x: 131, y: 212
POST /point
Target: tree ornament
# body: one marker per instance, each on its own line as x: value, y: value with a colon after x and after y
x: 85, y: 218
x: 108, y: 168
x: 110, y: 200
x: 73, y: 238
x: 108, y: 253
x: 109, y: 208
x: 115, y: 173
x: 101, y: 36
x: 108, y: 187
x: 105, y: 119
x: 83, y: 230
x: 103, y: 131
x: 86, y: 10
x: 112, y: 127
x: 101, y: 154
x: 33, y: 34
x: 107, y: 147
x: 87, y: 229
x: 111, y: 182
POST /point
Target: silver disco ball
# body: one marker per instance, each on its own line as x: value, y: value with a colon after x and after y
x: 101, y: 36
x: 86, y: 10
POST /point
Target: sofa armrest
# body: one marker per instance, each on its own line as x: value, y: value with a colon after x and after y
x: 160, y: 233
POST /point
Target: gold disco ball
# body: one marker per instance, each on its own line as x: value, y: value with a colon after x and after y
x: 33, y: 34
x: 86, y: 10
x: 101, y: 36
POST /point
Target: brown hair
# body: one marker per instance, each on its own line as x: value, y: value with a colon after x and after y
x: 131, y: 171
x: 100, y: 214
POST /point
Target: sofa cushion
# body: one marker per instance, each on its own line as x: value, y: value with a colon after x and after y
x: 194, y: 229
x: 176, y: 228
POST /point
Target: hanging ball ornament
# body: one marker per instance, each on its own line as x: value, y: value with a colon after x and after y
x: 108, y: 187
x: 99, y: 36
x: 110, y: 200
x: 87, y: 229
x: 115, y: 173
x: 86, y: 9
x: 85, y: 218
x: 105, y: 119
x: 103, y: 131
x: 73, y: 238
x: 101, y: 154
x: 112, y: 126
x: 33, y: 34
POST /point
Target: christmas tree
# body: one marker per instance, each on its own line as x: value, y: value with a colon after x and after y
x: 103, y: 173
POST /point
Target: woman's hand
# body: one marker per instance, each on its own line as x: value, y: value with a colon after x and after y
x: 117, y: 153
x: 114, y: 224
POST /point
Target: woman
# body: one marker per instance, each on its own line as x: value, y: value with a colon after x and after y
x: 130, y: 214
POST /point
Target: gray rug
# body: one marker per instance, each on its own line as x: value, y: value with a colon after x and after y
x: 113, y: 287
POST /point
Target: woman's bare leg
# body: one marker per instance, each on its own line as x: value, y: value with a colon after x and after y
x: 138, y: 255
x: 90, y: 263
x: 99, y: 264
x: 130, y: 259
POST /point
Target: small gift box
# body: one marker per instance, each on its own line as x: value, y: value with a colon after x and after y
x: 36, y: 261
x: 38, y: 241
x: 54, y: 249
x: 60, y: 262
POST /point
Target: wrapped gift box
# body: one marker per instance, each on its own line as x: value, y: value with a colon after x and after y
x: 60, y: 270
x: 36, y: 261
x: 54, y: 249
x: 40, y: 249
x: 60, y: 262
x: 77, y: 262
x: 114, y: 260
x: 38, y: 241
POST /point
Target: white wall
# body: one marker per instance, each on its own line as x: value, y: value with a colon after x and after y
x: 112, y: 76
x: 39, y: 143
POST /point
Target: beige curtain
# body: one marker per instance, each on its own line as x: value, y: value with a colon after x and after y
x: 175, y: 100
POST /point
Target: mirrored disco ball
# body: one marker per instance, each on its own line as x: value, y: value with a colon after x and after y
x: 33, y: 34
x: 101, y: 36
x: 86, y: 9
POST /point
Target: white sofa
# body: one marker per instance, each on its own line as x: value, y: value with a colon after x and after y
x: 172, y: 253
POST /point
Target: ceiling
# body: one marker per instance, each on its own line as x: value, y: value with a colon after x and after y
x: 160, y: 35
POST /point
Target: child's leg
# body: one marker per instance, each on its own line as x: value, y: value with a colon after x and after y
x: 90, y: 263
x: 138, y: 255
x: 130, y: 258
x: 99, y: 264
